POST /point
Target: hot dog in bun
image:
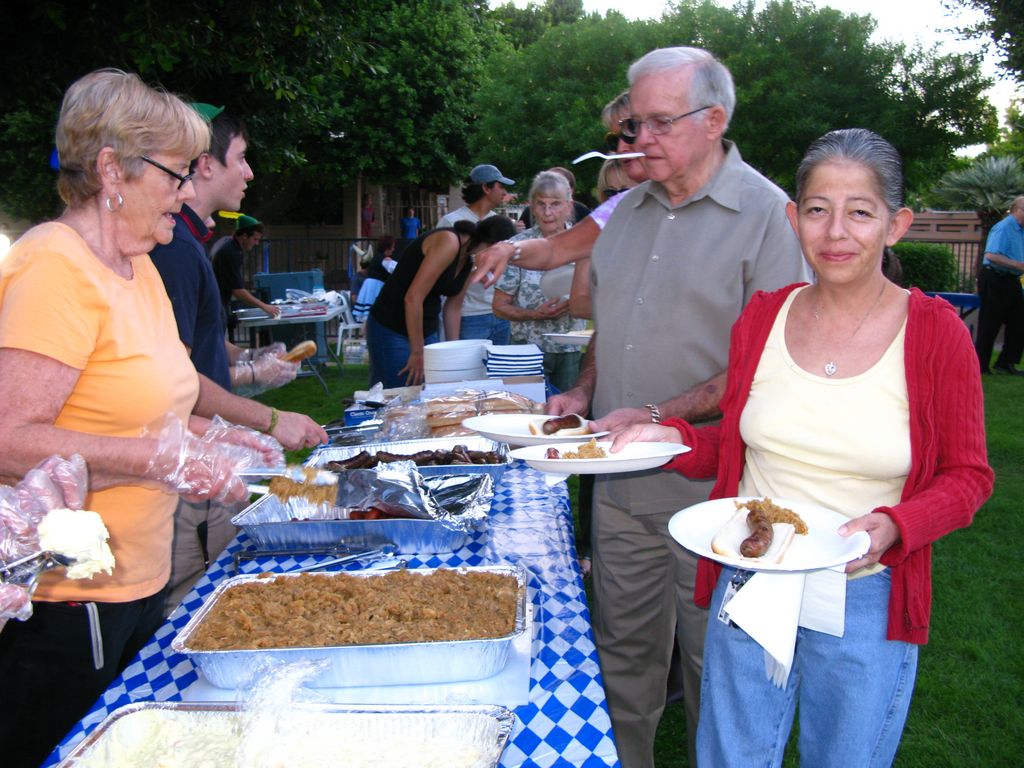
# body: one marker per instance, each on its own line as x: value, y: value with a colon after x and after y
x: 300, y: 351
x: 759, y: 531
x: 570, y: 425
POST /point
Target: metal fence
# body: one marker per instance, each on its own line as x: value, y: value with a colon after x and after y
x: 966, y: 255
x: 336, y: 258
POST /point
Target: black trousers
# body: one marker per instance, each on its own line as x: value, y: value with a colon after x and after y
x: 48, y: 673
x: 1002, y: 303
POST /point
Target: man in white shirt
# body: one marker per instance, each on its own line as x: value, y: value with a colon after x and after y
x: 485, y: 191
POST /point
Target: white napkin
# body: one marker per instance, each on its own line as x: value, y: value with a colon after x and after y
x: 554, y: 478
x: 772, y: 604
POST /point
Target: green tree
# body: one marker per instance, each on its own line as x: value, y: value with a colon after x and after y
x: 799, y: 71
x: 263, y: 59
x: 1004, y: 20
x: 1011, y: 137
x: 322, y: 103
x: 405, y: 124
x: 541, y: 106
x: 523, y: 26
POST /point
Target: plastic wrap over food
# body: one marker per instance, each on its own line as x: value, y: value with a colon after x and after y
x: 459, y: 502
x: 308, y: 735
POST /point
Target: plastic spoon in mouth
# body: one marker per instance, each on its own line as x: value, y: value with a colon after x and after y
x: 608, y: 156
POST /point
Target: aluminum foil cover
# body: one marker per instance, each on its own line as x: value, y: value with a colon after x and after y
x: 362, y: 665
x: 409, y: 447
x: 143, y: 733
x: 448, y: 509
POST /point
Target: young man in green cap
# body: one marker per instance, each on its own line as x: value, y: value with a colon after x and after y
x: 220, y: 177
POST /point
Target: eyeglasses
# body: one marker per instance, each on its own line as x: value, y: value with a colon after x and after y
x: 182, y: 180
x: 610, y: 192
x: 655, y: 125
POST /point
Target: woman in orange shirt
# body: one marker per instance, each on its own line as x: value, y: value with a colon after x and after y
x: 91, y: 363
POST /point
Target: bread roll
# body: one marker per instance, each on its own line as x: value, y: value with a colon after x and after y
x: 300, y: 351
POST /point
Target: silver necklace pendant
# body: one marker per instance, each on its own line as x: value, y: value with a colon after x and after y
x: 830, y: 368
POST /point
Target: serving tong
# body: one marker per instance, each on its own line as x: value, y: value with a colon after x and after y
x: 343, y: 554
x: 26, y: 571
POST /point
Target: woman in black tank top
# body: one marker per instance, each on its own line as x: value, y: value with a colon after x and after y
x: 405, y: 317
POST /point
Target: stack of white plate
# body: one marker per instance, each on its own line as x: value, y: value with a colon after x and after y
x: 514, y: 360
x: 455, y: 360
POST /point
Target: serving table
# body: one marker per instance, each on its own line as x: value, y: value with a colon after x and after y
x: 565, y: 723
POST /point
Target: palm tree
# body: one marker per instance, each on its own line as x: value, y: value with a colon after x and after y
x: 987, y: 187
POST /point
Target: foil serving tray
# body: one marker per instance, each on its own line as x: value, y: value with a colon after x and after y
x: 362, y: 665
x: 482, y: 730
x: 269, y: 523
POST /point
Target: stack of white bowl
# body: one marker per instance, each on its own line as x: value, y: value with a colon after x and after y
x: 455, y: 361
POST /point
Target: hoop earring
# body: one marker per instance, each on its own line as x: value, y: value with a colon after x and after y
x: 120, y: 203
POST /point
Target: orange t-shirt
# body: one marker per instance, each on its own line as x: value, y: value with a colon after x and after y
x: 57, y: 299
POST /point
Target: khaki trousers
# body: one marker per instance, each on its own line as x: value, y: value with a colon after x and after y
x: 202, y: 530
x: 643, y: 588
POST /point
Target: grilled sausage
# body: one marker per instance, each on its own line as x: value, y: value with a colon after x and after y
x: 761, y: 535
x: 569, y: 421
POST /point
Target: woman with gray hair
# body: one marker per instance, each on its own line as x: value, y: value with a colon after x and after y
x: 91, y: 363
x: 892, y: 374
x: 518, y: 296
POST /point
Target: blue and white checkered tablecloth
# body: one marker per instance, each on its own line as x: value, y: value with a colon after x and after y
x: 566, y: 721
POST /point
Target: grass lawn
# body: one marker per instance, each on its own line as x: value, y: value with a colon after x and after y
x: 966, y: 709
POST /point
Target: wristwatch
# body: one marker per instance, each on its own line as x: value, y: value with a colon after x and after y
x: 655, y: 413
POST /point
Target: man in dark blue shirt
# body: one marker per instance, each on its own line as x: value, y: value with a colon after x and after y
x: 220, y: 176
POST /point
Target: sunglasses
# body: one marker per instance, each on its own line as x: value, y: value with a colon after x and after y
x: 610, y: 192
x: 611, y: 140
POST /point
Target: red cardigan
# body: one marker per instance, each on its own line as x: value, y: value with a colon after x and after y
x: 949, y: 475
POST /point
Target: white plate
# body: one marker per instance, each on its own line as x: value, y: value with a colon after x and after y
x: 556, y: 283
x: 581, y: 338
x: 822, y: 547
x: 514, y: 429
x: 635, y: 457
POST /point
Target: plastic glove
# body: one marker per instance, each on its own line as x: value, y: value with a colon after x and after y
x: 276, y: 349
x: 262, y: 447
x: 186, y: 463
x: 52, y: 484
x: 266, y: 372
x: 14, y: 603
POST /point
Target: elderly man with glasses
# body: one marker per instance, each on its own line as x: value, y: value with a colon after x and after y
x: 675, y: 264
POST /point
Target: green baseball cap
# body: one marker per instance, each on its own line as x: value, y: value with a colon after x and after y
x: 246, y: 222
x: 208, y: 111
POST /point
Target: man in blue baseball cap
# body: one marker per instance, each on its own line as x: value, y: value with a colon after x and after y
x: 484, y: 191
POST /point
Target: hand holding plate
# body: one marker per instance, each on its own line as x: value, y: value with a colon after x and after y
x: 883, y: 531
x: 644, y: 433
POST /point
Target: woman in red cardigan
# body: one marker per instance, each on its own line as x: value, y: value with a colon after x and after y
x: 862, y: 397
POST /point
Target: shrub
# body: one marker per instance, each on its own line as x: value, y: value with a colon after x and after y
x: 928, y: 266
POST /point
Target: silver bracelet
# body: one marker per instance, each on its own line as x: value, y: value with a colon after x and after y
x: 655, y: 413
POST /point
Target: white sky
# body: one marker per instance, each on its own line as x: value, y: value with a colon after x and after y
x: 911, y: 21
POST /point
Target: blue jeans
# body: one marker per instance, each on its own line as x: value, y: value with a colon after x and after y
x: 853, y: 692
x: 389, y: 353
x: 487, y: 326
